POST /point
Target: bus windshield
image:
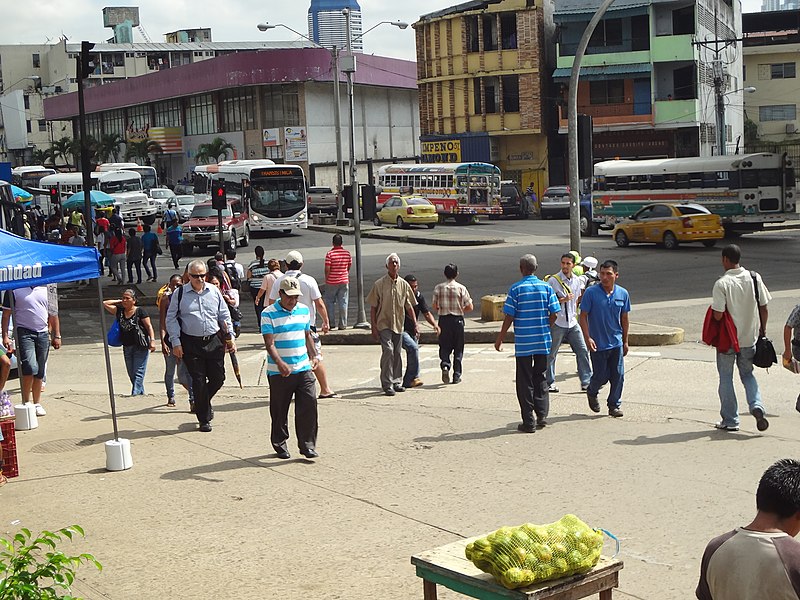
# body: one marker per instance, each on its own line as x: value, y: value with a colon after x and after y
x: 271, y: 195
x: 149, y: 180
x: 123, y: 185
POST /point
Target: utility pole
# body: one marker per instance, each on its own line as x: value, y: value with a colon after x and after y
x: 337, y: 122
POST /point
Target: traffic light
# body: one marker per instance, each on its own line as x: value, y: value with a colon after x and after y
x: 87, y: 60
x: 55, y: 195
x: 219, y: 197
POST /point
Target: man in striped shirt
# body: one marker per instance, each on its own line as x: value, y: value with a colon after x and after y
x: 337, y: 281
x: 286, y: 327
x: 532, y: 307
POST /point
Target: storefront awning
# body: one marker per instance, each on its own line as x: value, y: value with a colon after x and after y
x: 598, y: 73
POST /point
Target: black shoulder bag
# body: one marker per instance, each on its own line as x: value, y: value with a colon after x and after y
x: 765, y: 355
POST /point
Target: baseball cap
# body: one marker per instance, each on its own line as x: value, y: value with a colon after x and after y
x: 590, y: 262
x: 291, y: 286
x: 294, y: 256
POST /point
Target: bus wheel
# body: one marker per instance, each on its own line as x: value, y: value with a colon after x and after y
x: 670, y: 241
x: 246, y: 238
x: 709, y: 243
x: 621, y: 239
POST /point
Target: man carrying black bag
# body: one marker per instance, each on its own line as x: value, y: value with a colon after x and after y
x: 736, y: 291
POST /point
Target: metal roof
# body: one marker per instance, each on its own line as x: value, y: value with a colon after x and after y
x: 597, y: 73
x: 574, y: 7
x: 193, y: 46
x: 459, y: 8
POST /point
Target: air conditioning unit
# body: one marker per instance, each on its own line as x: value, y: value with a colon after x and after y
x: 791, y: 128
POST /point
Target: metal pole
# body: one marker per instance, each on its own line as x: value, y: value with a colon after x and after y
x: 361, y: 317
x: 572, y: 129
x: 720, y: 106
x: 337, y: 121
x: 85, y: 166
x: 110, y: 378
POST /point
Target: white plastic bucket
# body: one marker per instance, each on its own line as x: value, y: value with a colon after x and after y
x: 118, y: 455
x: 25, y: 417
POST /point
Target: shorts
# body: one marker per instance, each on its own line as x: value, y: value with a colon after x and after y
x: 317, y: 343
x: 34, y: 347
x: 796, y: 349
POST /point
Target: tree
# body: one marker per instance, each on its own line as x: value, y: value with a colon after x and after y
x: 62, y: 149
x: 109, y: 146
x: 41, y: 157
x: 143, y: 150
x: 750, y: 131
x: 216, y: 149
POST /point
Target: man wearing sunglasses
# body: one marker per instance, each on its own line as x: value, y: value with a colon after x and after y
x: 199, y: 325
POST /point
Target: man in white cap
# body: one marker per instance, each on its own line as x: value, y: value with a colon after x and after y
x: 391, y: 299
x: 286, y: 327
x: 312, y: 298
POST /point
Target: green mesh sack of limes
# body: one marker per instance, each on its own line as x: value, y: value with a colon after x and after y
x: 527, y: 554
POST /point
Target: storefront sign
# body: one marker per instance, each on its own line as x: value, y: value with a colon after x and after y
x: 271, y: 137
x: 442, y: 151
x: 296, y: 144
x: 169, y: 138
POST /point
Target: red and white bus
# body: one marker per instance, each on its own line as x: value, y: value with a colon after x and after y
x: 458, y: 190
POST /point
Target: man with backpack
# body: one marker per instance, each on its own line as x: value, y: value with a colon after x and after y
x: 234, y: 270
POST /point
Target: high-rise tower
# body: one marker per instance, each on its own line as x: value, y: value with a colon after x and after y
x: 326, y: 23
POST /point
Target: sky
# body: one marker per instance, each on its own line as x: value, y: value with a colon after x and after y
x: 43, y: 21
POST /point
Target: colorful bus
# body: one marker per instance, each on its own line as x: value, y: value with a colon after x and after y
x: 29, y: 177
x: 148, y: 174
x: 458, y: 190
x: 274, y: 196
x: 746, y: 190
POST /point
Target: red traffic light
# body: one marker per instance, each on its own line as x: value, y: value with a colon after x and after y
x: 220, y: 192
x: 54, y: 195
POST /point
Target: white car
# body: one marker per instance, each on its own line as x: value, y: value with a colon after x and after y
x: 160, y: 198
x: 184, y: 205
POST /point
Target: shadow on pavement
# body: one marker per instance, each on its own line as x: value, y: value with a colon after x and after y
x: 677, y: 438
x: 260, y: 462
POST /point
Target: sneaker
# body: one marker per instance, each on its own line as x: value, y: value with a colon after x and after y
x: 526, y: 428
x: 584, y: 387
x: 417, y: 382
x: 445, y: 376
x: 388, y: 392
x: 40, y: 411
x: 761, y: 421
x: 614, y: 412
x: 723, y: 427
x: 593, y: 403
x: 553, y: 389
x: 456, y: 379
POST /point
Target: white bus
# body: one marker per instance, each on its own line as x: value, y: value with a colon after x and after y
x: 149, y: 174
x: 28, y: 177
x: 273, y: 196
x: 124, y: 186
x: 746, y: 190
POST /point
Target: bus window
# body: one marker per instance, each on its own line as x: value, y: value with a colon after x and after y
x: 709, y: 180
x: 748, y: 179
x: 682, y: 181
x: 657, y: 182
x: 696, y: 180
x: 669, y: 181
x: 769, y: 177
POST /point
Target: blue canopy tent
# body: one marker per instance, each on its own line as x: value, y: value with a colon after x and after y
x: 98, y: 199
x: 28, y: 263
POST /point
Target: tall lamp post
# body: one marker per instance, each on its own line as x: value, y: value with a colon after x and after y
x: 337, y: 111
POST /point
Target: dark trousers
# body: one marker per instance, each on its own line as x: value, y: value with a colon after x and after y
x: 451, y: 340
x: 259, y: 307
x: 150, y: 265
x: 532, y: 391
x: 303, y: 386
x: 608, y: 366
x: 205, y: 361
x: 175, y: 252
x: 135, y: 262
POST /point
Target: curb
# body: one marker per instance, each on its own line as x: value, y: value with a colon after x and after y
x: 410, y: 238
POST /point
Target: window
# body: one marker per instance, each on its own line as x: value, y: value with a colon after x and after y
x: 238, y: 110
x: 476, y: 96
x: 490, y: 94
x: 167, y: 114
x: 683, y: 20
x: 660, y: 211
x: 607, y: 92
x: 508, y: 31
x: 118, y: 59
x: 489, y: 32
x: 782, y: 71
x: 114, y: 122
x: 36, y: 61
x: 777, y: 112
x: 607, y: 33
x: 26, y: 101
x: 42, y: 125
x: 280, y: 106
x: 510, y: 93
x: 471, y: 24
x: 201, y: 115
x: 28, y: 124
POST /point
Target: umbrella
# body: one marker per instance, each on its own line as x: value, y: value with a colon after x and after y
x: 21, y: 195
x: 235, y: 365
x: 99, y: 199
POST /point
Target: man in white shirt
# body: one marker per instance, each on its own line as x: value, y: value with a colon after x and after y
x: 568, y: 288
x: 735, y: 292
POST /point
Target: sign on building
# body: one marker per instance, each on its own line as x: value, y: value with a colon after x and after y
x: 271, y: 137
x: 296, y: 144
x: 169, y: 138
x: 442, y: 151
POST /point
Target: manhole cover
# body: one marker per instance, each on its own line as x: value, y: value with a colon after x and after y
x: 57, y: 446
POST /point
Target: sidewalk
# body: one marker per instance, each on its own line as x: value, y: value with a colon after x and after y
x: 439, y: 236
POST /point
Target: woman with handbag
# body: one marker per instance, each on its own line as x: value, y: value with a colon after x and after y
x: 136, y: 335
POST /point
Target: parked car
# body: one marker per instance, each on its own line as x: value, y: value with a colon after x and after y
x: 202, y: 230
x: 670, y: 224
x: 404, y: 211
x: 183, y: 204
x: 512, y: 201
x: 160, y: 198
x: 555, y: 202
x: 321, y: 199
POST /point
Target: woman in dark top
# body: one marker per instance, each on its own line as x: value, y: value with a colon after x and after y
x: 136, y: 334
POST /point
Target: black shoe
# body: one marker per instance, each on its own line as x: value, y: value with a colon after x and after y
x: 398, y: 388
x: 615, y: 412
x: 593, y: 403
x: 541, y: 423
x: 761, y: 421
x: 456, y: 378
x: 445, y: 376
x: 284, y: 454
x: 310, y: 454
x: 388, y: 392
x: 526, y: 428
x: 205, y: 427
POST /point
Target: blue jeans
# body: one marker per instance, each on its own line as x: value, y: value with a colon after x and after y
x: 336, y: 296
x: 608, y: 366
x: 412, y: 359
x: 171, y: 365
x: 34, y: 347
x: 136, y: 364
x: 729, y: 407
x: 150, y: 264
x: 574, y: 337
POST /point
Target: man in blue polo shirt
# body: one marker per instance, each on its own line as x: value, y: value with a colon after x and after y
x: 604, y: 322
x: 532, y: 307
x: 286, y: 327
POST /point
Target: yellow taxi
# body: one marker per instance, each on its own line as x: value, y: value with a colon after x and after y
x: 670, y: 225
x: 404, y: 211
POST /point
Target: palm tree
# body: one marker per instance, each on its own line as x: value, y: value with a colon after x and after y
x: 142, y: 150
x: 41, y: 157
x: 92, y: 146
x: 216, y: 149
x: 62, y: 149
x: 109, y: 147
